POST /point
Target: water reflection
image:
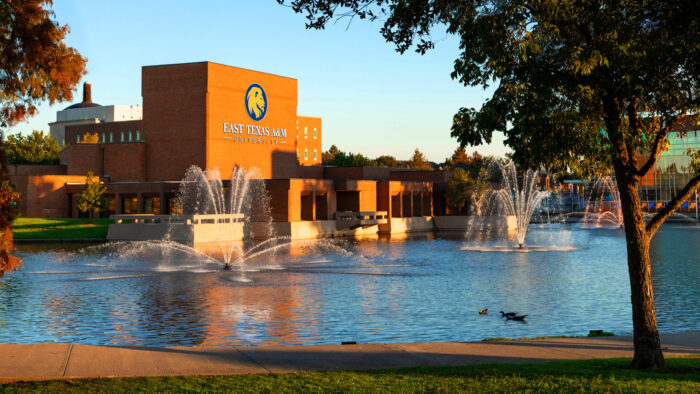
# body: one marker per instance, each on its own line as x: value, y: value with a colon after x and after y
x: 415, y: 289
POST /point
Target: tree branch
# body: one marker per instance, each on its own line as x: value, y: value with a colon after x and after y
x: 656, y: 147
x: 633, y: 125
x: 672, y: 206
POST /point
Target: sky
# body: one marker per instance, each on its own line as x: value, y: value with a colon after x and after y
x: 372, y: 99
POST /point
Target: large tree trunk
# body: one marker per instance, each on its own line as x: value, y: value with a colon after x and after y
x: 647, y: 346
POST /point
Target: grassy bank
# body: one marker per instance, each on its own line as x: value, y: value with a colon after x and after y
x: 570, y: 376
x: 53, y: 228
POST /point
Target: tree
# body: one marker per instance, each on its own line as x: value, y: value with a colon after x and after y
x: 419, y: 162
x: 387, y: 161
x: 35, y: 65
x: 36, y: 148
x: 90, y: 199
x: 459, y: 157
x: 459, y: 189
x: 8, y: 213
x: 587, y: 85
x: 338, y: 158
x: 90, y: 139
x: 328, y: 155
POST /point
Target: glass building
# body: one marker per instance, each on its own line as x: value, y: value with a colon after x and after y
x: 671, y: 172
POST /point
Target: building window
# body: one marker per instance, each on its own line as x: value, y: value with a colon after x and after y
x: 306, y: 132
x: 315, y: 156
x: 297, y: 131
x: 130, y: 136
x: 151, y: 205
x: 130, y: 205
x: 77, y: 138
x: 306, y: 154
x: 111, y: 138
x: 110, y: 205
x: 314, y: 133
x: 138, y: 136
x: 104, y: 138
x: 122, y: 137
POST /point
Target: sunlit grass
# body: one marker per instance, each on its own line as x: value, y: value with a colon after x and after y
x: 60, y: 228
x: 612, y: 375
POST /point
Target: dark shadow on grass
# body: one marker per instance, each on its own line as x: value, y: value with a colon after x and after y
x: 352, y: 357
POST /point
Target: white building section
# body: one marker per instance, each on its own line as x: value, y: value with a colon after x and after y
x: 87, y: 112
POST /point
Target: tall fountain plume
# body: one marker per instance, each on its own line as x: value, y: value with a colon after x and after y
x: 515, y: 200
x: 202, y: 192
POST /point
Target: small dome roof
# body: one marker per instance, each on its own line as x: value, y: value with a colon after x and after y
x: 83, y: 105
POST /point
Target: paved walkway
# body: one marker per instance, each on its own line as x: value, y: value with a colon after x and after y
x: 61, y: 361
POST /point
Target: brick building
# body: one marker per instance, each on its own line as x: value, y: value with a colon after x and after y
x: 216, y: 117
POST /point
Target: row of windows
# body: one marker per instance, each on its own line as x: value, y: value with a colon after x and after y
x: 306, y: 154
x: 306, y: 132
x: 123, y: 136
x: 679, y: 145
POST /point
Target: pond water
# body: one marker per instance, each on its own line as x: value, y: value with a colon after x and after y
x: 371, y: 291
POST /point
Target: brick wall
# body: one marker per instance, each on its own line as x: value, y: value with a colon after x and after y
x: 122, y: 162
x: 44, y: 195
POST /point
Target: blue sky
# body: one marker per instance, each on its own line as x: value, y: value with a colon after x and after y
x: 372, y: 99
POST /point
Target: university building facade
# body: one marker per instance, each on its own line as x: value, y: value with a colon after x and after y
x: 217, y: 117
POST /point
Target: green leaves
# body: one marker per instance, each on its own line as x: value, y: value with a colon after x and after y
x: 91, y: 198
x: 459, y: 189
x: 36, y: 148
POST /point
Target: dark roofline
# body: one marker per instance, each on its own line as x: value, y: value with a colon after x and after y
x: 220, y: 64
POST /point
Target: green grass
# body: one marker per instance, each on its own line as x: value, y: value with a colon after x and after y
x: 682, y: 375
x: 53, y: 228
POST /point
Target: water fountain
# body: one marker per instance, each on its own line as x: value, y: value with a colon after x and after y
x: 232, y: 217
x: 510, y: 199
x: 603, y: 208
x: 516, y: 201
x: 202, y: 192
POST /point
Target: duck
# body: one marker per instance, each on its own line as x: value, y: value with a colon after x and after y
x: 484, y: 311
x: 516, y: 317
x: 509, y: 314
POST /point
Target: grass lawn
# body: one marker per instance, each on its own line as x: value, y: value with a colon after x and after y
x: 53, y: 228
x: 683, y: 375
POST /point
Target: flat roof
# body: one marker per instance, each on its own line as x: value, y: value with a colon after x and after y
x: 219, y: 64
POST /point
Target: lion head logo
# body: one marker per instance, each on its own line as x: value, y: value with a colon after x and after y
x: 256, y: 102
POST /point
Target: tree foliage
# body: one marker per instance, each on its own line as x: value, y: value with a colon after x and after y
x: 473, y: 164
x: 8, y: 213
x: 335, y: 157
x: 88, y: 138
x: 419, y: 162
x: 584, y: 85
x: 91, y: 199
x: 36, y: 148
x: 459, y: 189
x: 387, y: 161
x: 36, y: 64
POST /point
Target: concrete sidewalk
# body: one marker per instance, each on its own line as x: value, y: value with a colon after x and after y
x: 62, y: 361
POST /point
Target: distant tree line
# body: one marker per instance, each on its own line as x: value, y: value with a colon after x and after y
x: 460, y: 159
x: 338, y: 158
